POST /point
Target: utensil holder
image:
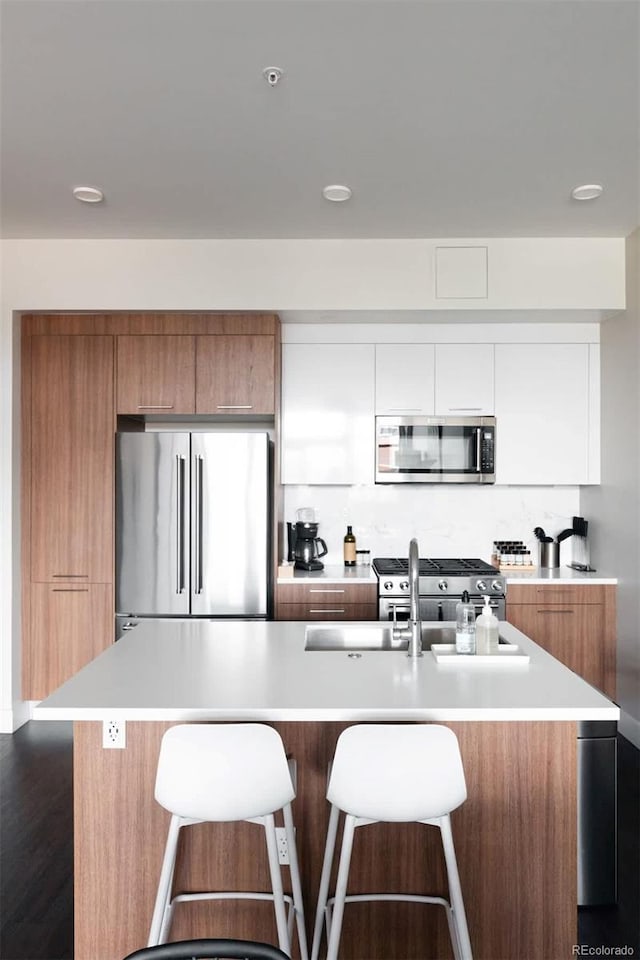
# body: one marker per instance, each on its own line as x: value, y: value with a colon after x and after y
x: 549, y: 555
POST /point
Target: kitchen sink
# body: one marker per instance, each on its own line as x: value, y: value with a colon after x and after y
x: 368, y: 636
x: 371, y: 636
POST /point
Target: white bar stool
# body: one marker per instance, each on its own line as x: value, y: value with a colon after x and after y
x: 228, y: 772
x: 392, y: 773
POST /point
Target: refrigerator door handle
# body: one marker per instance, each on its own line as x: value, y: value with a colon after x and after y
x: 198, y: 523
x: 180, y: 464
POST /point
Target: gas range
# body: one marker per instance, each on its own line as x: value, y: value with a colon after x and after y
x: 441, y: 584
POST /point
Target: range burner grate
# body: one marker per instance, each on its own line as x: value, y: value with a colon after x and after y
x: 434, y: 567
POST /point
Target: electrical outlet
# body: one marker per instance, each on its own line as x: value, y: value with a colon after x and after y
x: 114, y: 734
x: 283, y: 846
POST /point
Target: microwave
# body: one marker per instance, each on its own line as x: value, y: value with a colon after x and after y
x: 435, y: 449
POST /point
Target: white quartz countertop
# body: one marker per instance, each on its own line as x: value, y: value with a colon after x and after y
x: 331, y: 574
x: 557, y: 575
x: 342, y: 574
x: 261, y: 671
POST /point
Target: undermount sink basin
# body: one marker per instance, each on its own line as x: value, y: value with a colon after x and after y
x: 370, y: 636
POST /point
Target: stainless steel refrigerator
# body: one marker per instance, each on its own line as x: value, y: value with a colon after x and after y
x: 192, y: 525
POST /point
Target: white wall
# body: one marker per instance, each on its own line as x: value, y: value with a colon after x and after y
x: 585, y: 273
x: 613, y: 509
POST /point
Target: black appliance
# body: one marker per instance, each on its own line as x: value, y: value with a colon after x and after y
x: 305, y: 546
x: 441, y: 584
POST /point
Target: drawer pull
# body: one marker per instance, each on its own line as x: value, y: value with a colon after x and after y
x: 324, y: 610
x: 70, y: 590
x: 70, y: 576
x: 554, y: 611
x: 555, y: 592
x: 325, y: 591
x: 235, y: 406
x: 155, y: 406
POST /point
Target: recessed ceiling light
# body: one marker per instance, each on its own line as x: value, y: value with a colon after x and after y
x: 588, y: 191
x: 336, y: 192
x: 88, y: 194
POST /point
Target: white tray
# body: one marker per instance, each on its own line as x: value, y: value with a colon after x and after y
x: 508, y: 655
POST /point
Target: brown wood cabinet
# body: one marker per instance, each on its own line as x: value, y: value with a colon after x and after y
x: 573, y: 622
x: 71, y: 624
x: 327, y: 601
x: 68, y: 494
x: 235, y: 374
x: 156, y: 374
x: 71, y: 468
x: 79, y: 371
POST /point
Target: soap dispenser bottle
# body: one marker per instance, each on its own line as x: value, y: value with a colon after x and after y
x: 486, y: 631
x: 465, y: 626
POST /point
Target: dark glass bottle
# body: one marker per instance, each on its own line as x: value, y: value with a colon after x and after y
x: 349, y: 548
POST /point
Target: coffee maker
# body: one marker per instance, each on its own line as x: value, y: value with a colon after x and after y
x: 305, y: 546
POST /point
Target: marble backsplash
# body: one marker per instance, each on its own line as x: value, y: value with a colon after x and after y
x: 448, y: 520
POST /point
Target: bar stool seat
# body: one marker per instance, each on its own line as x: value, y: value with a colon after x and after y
x: 224, y: 773
x: 392, y: 773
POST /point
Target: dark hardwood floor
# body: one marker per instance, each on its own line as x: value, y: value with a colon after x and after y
x: 36, y: 850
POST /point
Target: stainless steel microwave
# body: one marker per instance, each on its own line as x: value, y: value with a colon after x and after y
x: 435, y: 449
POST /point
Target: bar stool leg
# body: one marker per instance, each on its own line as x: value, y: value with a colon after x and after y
x: 276, y: 884
x: 296, y: 885
x: 163, y: 895
x: 341, y: 887
x: 325, y: 877
x: 455, y: 890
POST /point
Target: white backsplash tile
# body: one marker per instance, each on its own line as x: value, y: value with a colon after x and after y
x: 448, y: 520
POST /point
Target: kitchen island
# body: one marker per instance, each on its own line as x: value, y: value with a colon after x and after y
x: 515, y: 836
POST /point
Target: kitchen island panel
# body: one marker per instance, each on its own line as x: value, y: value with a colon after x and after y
x: 515, y: 842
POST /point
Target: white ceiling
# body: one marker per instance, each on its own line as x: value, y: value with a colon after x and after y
x: 459, y: 118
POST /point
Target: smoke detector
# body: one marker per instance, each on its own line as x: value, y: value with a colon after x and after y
x: 272, y: 75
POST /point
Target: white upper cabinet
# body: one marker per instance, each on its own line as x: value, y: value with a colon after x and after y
x: 405, y: 379
x: 327, y: 413
x: 543, y: 410
x: 464, y: 379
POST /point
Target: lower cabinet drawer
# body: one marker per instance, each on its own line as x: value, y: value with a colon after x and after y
x: 316, y: 593
x: 328, y: 611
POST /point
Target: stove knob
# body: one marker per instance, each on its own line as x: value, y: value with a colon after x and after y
x: 404, y: 585
x: 496, y: 585
x: 443, y: 585
x: 481, y: 585
x: 388, y: 585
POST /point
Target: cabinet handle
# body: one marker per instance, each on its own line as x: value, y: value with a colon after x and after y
x: 325, y: 591
x: 235, y: 406
x: 70, y: 576
x: 155, y: 406
x: 324, y: 610
x: 556, y: 593
x: 404, y: 409
x: 555, y: 611
x: 465, y: 408
x: 70, y: 590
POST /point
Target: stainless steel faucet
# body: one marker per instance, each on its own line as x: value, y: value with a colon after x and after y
x: 413, y: 631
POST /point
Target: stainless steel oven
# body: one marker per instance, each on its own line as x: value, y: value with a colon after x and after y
x: 434, y: 608
x: 441, y: 584
x: 435, y: 449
